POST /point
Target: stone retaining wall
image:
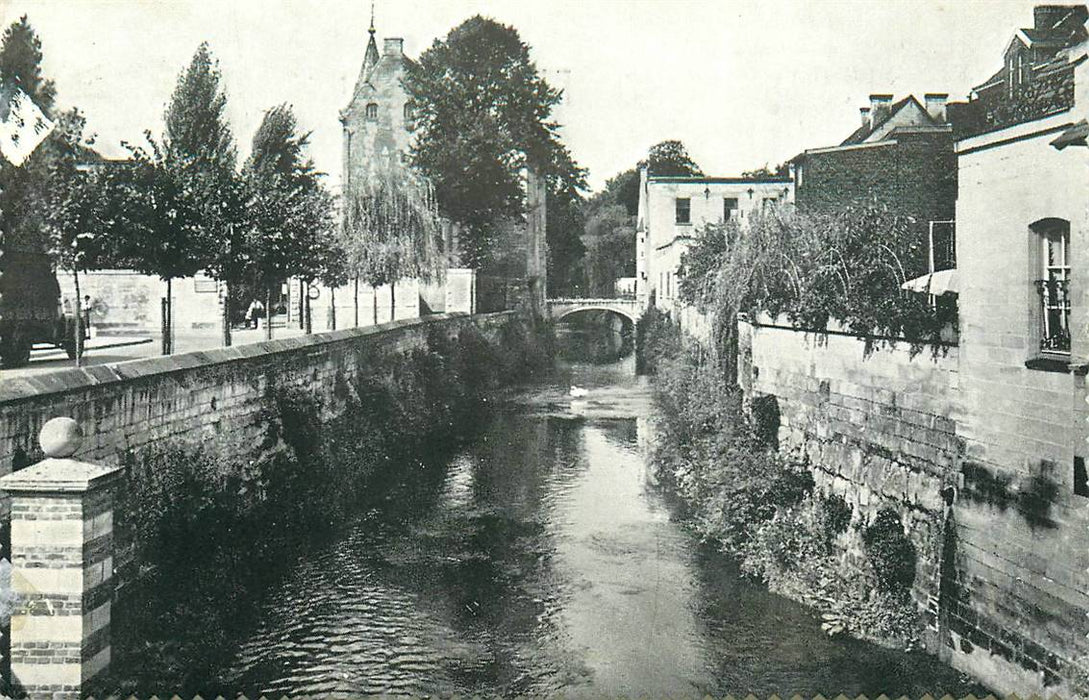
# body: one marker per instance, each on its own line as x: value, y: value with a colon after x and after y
x: 890, y: 430
x: 127, y: 406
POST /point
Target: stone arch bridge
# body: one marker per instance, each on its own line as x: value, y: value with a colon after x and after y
x: 630, y: 309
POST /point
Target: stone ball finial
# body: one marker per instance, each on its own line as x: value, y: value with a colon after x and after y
x: 60, y: 437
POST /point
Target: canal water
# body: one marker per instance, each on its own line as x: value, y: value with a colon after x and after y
x: 543, y: 559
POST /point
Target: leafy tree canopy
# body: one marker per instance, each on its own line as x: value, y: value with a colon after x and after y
x: 25, y: 190
x: 482, y: 115
x: 781, y: 170
x: 291, y: 213
x: 77, y: 203
x: 670, y: 158
x: 21, y: 64
x: 196, y: 120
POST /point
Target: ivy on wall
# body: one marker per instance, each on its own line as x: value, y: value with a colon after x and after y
x: 847, y: 265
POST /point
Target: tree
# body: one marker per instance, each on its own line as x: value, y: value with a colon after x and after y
x: 76, y: 213
x: 160, y: 227
x: 610, y: 246
x: 291, y: 214
x: 199, y: 144
x: 20, y: 64
x: 24, y: 190
x: 670, y: 158
x: 781, y: 170
x: 624, y: 190
x: 482, y: 116
x: 391, y: 229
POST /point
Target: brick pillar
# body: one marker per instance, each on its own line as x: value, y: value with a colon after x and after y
x: 62, y: 568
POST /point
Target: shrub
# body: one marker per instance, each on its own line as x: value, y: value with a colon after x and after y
x: 837, y: 515
x: 761, y: 508
x: 765, y: 418
x: 657, y: 338
x: 890, y: 552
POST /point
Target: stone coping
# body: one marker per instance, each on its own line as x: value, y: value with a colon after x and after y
x: 835, y: 327
x: 76, y: 378
x: 60, y: 475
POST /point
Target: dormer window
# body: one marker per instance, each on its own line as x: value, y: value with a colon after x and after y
x: 1017, y: 70
x: 372, y: 112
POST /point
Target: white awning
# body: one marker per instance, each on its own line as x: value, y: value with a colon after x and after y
x: 936, y: 283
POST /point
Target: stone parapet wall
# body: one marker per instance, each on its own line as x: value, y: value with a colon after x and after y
x: 128, y: 406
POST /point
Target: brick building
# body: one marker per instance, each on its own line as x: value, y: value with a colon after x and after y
x: 901, y: 156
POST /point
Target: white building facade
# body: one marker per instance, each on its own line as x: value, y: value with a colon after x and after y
x: 672, y: 211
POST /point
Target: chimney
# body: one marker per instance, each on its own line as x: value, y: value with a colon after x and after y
x: 865, y: 111
x: 393, y: 47
x: 1048, y: 16
x: 880, y: 106
x: 935, y: 106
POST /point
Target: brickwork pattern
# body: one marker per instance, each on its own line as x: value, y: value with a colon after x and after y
x: 916, y: 176
x: 62, y: 557
x: 1020, y: 425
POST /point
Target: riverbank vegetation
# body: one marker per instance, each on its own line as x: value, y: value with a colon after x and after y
x: 815, y: 269
x: 735, y: 489
x: 202, y: 534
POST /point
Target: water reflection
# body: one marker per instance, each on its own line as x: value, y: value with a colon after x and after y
x: 543, y: 560
x: 595, y: 337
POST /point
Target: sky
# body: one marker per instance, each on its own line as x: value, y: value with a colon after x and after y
x: 742, y: 83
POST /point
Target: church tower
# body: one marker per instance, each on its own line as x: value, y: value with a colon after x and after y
x: 377, y: 121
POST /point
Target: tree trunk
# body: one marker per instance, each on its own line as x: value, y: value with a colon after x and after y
x: 78, y: 340
x: 332, y: 308
x: 374, y: 301
x: 168, y: 319
x: 392, y: 302
x: 302, y: 305
x: 268, y: 313
x: 308, y: 320
x: 226, y: 316
x: 356, y: 305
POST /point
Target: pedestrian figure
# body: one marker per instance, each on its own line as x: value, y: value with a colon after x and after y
x: 87, y: 329
x: 254, y: 313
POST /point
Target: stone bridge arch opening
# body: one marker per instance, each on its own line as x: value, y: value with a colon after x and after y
x: 598, y: 332
x: 628, y: 316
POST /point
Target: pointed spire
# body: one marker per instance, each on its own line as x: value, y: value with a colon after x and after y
x: 371, y: 57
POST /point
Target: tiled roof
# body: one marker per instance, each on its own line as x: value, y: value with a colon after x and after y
x: 1050, y: 91
x: 863, y: 132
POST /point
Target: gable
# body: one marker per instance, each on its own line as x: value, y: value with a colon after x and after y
x: 908, y: 113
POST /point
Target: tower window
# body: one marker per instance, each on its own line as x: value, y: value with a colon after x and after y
x: 372, y: 112
x: 410, y: 111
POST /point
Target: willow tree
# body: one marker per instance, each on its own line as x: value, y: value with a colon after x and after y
x: 391, y: 231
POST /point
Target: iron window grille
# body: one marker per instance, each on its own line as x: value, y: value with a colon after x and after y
x: 1054, y: 290
x: 1055, y: 305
